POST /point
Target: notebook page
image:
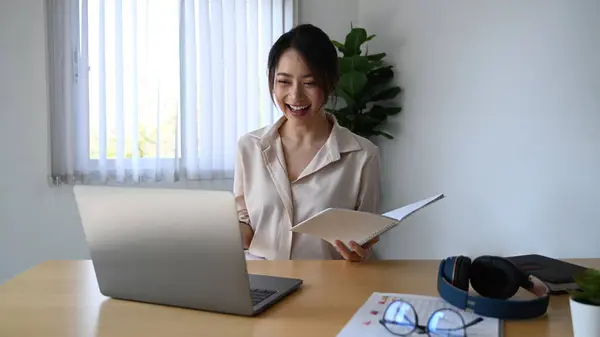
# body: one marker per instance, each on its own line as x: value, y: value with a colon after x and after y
x: 402, y: 212
x: 365, y: 322
x: 350, y: 225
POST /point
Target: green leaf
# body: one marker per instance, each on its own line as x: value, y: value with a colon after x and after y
x: 385, y: 134
x: 345, y: 110
x: 370, y: 37
x: 365, y: 123
x: 376, y: 57
x: 374, y: 65
x: 386, y: 94
x: 340, y: 92
x: 366, y: 119
x: 382, y: 113
x: 354, y: 40
x: 356, y: 62
x: 380, y: 76
x: 345, y: 117
x: 339, y: 46
x: 353, y: 82
x: 589, y: 287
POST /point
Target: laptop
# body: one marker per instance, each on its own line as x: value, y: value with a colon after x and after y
x: 174, y: 247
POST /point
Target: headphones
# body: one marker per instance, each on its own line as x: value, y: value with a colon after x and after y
x: 495, y: 279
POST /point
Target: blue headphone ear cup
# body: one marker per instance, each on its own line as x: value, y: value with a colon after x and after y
x: 495, y: 277
x: 462, y: 267
x: 448, y: 269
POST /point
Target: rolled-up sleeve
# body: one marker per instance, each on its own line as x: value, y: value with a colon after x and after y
x: 238, y: 189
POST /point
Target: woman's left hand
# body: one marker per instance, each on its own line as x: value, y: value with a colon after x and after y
x: 358, y: 252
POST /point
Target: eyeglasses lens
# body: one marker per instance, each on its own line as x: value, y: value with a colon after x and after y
x: 400, y: 318
x: 446, y: 322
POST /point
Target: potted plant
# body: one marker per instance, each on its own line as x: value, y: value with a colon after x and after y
x: 585, y: 304
x: 364, y: 86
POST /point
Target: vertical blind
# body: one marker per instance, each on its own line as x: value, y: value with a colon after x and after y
x: 157, y: 90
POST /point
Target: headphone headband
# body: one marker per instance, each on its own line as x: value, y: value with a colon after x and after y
x: 492, y: 307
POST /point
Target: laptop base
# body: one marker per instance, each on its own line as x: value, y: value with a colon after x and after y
x: 270, y: 290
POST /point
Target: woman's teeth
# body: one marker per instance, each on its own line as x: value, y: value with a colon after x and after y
x: 298, y: 110
x: 298, y: 107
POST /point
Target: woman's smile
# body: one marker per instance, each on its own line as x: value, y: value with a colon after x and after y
x: 298, y: 110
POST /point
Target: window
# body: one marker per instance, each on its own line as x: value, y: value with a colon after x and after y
x: 157, y: 90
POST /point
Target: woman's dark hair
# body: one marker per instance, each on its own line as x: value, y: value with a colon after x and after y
x: 316, y: 49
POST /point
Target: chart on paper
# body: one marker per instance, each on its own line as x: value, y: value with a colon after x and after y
x: 365, y: 322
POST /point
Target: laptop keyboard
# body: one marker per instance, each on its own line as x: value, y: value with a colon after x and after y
x: 259, y: 295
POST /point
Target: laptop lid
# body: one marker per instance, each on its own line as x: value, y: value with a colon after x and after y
x: 177, y: 247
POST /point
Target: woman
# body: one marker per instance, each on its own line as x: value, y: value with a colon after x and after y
x: 306, y: 161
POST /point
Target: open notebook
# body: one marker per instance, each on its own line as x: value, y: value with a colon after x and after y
x: 347, y: 225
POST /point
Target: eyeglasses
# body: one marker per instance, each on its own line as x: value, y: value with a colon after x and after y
x: 400, y: 318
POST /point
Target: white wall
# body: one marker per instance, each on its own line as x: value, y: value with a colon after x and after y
x: 333, y: 16
x: 36, y: 222
x: 477, y: 90
x: 502, y: 114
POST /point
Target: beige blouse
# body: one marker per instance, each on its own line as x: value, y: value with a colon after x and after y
x: 344, y: 173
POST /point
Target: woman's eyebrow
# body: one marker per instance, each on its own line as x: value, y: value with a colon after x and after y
x: 288, y: 75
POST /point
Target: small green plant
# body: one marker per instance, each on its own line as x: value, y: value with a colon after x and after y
x: 589, y: 287
x: 364, y: 86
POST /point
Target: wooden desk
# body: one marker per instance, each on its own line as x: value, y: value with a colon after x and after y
x: 61, y: 299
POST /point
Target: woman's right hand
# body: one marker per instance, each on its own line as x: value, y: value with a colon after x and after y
x: 247, y: 234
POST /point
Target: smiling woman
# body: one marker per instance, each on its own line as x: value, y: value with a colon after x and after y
x: 305, y: 162
x: 303, y: 71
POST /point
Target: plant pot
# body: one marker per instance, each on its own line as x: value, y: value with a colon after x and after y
x: 585, y: 319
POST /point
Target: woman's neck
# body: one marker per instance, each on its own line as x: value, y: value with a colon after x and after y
x: 307, y: 132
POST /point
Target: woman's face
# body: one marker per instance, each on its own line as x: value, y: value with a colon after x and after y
x: 296, y: 92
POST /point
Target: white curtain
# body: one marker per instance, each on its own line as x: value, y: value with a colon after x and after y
x: 157, y: 90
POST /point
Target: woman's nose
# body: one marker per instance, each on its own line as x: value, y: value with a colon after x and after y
x: 297, y: 92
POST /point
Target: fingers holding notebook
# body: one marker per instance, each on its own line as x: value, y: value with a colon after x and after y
x: 358, y: 252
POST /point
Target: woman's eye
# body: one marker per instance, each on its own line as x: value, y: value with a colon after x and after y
x: 282, y: 81
x: 310, y: 84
